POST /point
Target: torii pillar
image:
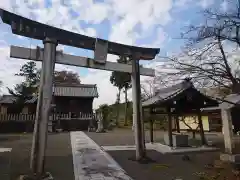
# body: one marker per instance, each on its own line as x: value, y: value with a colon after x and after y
x: 230, y: 154
x: 43, y: 107
x: 227, y: 130
x: 137, y: 111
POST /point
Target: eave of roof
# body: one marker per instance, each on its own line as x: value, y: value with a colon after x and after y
x: 172, y: 92
x: 72, y: 90
x: 167, y: 93
x: 76, y: 91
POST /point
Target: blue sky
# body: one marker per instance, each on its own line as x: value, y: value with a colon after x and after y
x: 149, y: 23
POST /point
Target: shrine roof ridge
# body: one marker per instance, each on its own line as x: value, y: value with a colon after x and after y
x: 169, y: 93
x: 33, y: 29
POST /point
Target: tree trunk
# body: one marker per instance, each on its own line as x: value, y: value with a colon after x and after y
x: 151, y: 129
x: 177, y: 124
x: 126, y: 108
x: 193, y: 134
x: 118, y: 107
x: 170, y: 127
x: 201, y: 129
x: 143, y: 129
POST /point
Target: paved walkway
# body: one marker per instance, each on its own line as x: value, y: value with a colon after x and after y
x: 91, y: 162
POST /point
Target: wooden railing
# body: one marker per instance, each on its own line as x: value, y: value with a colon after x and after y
x: 17, y: 117
x: 53, y: 117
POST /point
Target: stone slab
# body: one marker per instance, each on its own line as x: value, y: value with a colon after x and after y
x: 90, y: 161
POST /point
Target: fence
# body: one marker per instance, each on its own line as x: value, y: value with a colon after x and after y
x: 53, y: 117
x: 25, y: 122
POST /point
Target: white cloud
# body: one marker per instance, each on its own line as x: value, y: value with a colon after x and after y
x: 9, y: 67
x: 38, y: 3
x: 6, y: 4
x: 91, y: 32
x: 152, y: 13
x: 160, y: 37
x: 123, y: 16
x: 206, y: 3
x: 224, y: 6
x: 107, y: 92
x: 3, y: 43
x: 60, y: 47
x: 182, y: 3
x: 99, y: 12
x: 112, y: 58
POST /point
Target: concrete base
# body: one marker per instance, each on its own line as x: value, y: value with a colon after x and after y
x: 46, y: 176
x: 179, y: 140
x: 5, y: 165
x: 175, y: 150
x: 164, y: 149
x: 234, y: 158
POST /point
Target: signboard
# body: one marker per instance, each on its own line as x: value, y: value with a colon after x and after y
x: 101, y: 51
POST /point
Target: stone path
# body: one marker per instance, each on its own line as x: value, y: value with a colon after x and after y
x: 91, y: 162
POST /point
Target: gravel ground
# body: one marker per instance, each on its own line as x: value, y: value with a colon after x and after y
x: 58, y: 160
x: 120, y: 137
x: 166, y: 167
x: 59, y: 156
x: 125, y: 137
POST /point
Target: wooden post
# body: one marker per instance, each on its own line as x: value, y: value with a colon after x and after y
x: 227, y: 130
x: 170, y: 127
x: 151, y: 129
x: 136, y: 108
x: 201, y: 128
x: 177, y: 123
x: 142, y: 125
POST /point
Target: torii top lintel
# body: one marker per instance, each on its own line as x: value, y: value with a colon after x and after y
x: 32, y: 29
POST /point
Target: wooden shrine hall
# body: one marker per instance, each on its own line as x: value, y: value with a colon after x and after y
x: 176, y: 101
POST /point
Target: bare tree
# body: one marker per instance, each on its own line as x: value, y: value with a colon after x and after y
x: 209, y: 57
x: 149, y: 88
x: 190, y: 123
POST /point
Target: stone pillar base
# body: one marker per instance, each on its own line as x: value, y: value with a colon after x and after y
x: 234, y: 158
x: 5, y: 165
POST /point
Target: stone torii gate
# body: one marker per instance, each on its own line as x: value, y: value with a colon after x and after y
x: 51, y: 37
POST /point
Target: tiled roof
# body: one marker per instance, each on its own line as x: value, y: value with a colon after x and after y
x: 230, y: 101
x: 166, y: 93
x: 33, y: 100
x: 80, y: 90
x: 7, y: 99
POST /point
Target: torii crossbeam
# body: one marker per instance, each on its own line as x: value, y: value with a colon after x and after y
x: 67, y: 59
x: 52, y: 36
